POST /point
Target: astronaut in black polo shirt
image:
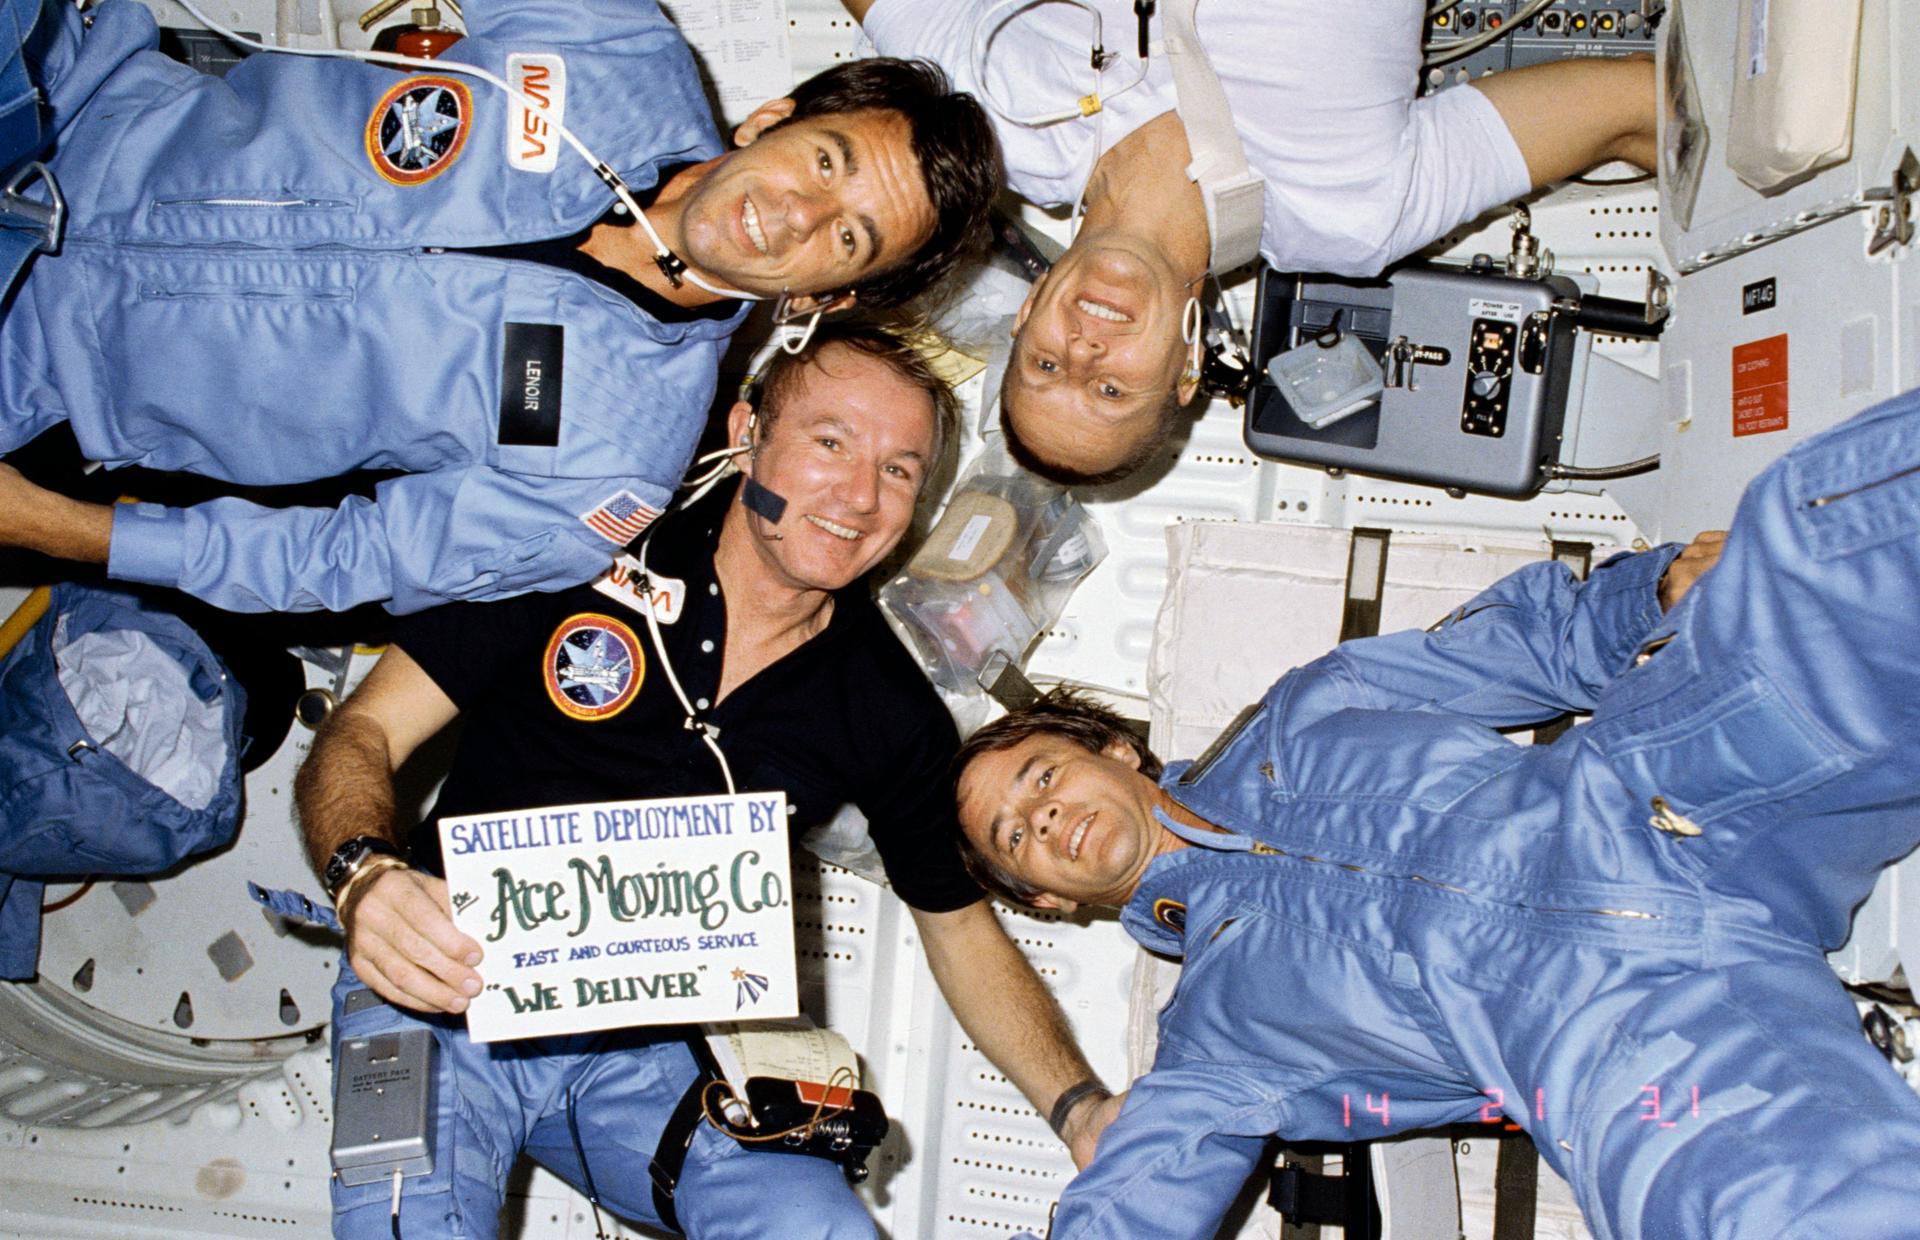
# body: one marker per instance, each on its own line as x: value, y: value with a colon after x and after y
x: 767, y: 619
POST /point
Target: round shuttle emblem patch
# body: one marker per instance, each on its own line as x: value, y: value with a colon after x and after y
x: 417, y: 129
x: 593, y: 667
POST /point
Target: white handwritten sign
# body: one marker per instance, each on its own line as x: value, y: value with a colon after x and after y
x: 625, y: 913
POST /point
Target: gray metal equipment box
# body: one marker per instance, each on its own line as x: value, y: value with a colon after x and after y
x: 1476, y: 366
x: 384, y: 1095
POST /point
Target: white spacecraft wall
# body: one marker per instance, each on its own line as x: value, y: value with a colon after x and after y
x: 243, y: 1151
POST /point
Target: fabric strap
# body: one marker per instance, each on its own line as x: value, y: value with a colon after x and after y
x: 670, y: 1156
x: 1235, y: 198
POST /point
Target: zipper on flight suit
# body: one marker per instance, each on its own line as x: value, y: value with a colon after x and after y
x: 1824, y: 500
x: 1268, y: 850
x: 325, y: 204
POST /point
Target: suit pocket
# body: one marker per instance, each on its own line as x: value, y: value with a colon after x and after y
x: 1716, y: 742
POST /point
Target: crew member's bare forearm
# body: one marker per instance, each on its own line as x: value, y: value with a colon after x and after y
x: 345, y: 787
x: 401, y: 940
x: 1009, y: 1013
x: 36, y: 519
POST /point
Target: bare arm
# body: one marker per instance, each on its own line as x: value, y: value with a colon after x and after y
x: 37, y: 519
x: 1572, y: 115
x: 1690, y: 565
x: 1011, y: 1016
x: 401, y: 939
x: 858, y: 8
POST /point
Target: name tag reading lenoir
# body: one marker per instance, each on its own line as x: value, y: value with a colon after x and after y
x: 626, y: 913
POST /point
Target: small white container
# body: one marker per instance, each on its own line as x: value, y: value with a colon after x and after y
x: 1323, y: 385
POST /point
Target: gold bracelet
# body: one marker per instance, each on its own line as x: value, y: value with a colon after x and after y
x: 379, y: 863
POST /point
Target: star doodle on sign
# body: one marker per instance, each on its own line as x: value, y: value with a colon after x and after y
x: 747, y: 988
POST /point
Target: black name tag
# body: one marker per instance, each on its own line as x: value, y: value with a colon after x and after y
x: 531, y: 359
x: 1758, y: 296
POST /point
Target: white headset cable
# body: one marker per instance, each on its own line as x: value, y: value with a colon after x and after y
x: 1087, y: 105
x: 671, y: 265
x: 693, y: 723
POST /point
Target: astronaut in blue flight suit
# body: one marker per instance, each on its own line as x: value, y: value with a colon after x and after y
x: 311, y: 267
x: 1394, y: 918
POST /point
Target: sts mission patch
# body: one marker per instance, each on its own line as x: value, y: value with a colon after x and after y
x: 593, y: 667
x: 417, y: 129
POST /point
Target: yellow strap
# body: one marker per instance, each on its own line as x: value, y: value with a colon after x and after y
x: 24, y: 617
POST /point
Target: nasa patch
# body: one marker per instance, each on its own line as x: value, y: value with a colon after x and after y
x: 593, y: 667
x: 621, y: 583
x: 533, y: 142
x: 417, y: 129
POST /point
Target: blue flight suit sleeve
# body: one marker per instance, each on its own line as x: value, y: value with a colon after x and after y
x: 1534, y: 645
x: 425, y: 539
x: 1186, y: 1140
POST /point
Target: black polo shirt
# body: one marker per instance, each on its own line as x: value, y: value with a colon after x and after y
x: 565, y: 702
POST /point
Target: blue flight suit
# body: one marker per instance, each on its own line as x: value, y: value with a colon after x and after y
x: 263, y: 281
x: 1616, y: 940
x: 70, y: 805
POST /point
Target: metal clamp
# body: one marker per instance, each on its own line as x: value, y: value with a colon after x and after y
x: 18, y: 213
x: 1893, y: 224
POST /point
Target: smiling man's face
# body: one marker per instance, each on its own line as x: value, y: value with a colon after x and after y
x: 1097, y: 356
x: 851, y: 443
x: 1075, y: 824
x: 810, y: 206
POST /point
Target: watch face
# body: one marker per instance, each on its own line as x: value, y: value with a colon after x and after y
x: 341, y: 864
x: 346, y: 859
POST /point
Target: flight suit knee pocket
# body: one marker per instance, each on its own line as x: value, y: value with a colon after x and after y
x: 1722, y: 740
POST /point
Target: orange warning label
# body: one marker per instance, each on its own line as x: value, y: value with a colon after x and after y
x: 1760, y: 386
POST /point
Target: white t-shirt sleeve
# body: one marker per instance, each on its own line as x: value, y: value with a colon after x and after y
x: 1359, y: 173
x: 1463, y: 160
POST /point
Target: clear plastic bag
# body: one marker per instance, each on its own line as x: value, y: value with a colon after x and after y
x: 994, y: 573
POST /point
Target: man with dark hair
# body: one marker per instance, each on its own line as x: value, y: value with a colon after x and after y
x: 771, y: 632
x: 311, y: 267
x: 958, y: 159
x: 1394, y: 918
x: 1357, y: 174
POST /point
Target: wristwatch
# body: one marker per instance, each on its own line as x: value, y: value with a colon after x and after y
x: 349, y: 857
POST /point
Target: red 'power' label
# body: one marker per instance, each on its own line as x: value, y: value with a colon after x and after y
x: 1760, y: 386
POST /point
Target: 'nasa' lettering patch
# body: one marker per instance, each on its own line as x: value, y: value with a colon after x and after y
x: 533, y: 137
x: 622, y: 583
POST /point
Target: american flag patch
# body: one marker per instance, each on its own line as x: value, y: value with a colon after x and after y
x: 620, y: 518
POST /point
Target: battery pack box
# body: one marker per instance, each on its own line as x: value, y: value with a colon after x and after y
x: 383, y: 1105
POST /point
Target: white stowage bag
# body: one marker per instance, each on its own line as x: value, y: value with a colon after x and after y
x: 135, y: 702
x: 1796, y: 64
